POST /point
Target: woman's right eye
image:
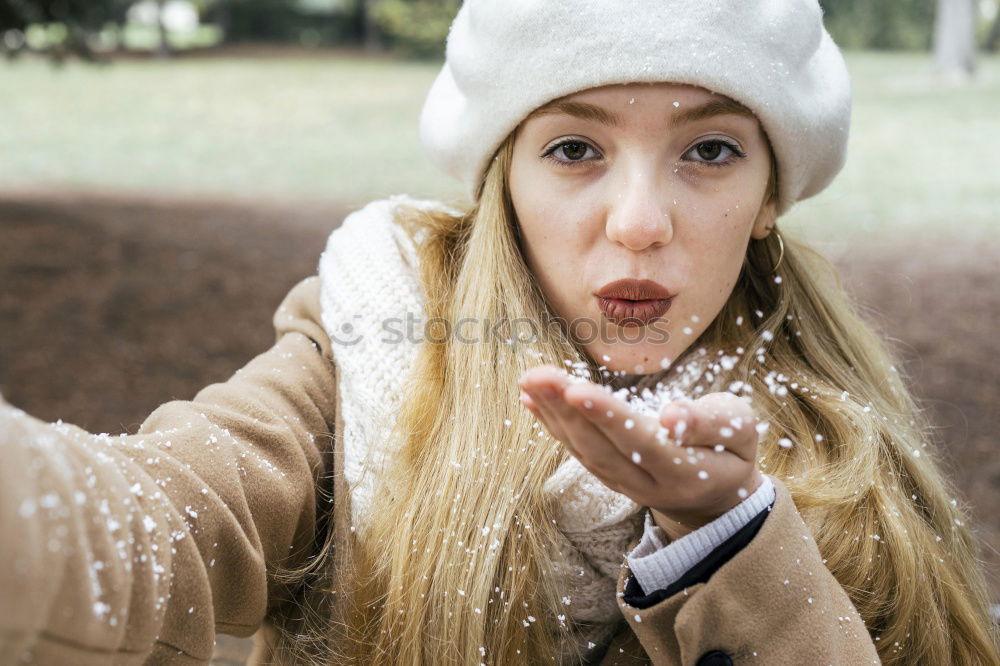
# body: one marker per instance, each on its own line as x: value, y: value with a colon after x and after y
x: 570, y: 153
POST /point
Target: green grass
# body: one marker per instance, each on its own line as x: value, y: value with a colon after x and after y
x: 320, y: 128
x: 923, y: 158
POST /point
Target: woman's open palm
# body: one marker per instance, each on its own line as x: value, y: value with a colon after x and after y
x: 690, y: 465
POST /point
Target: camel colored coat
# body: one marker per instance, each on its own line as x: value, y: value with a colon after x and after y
x: 140, y: 548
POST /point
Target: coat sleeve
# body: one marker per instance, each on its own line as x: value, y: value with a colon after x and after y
x: 774, y: 603
x: 128, y: 549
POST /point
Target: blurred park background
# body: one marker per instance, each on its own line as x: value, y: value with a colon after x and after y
x: 170, y: 168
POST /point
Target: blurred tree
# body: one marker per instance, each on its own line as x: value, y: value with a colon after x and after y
x: 416, y: 27
x: 955, y: 38
x: 370, y: 34
x: 72, y: 23
x: 886, y: 24
x: 992, y: 43
x: 163, y: 44
x: 304, y: 22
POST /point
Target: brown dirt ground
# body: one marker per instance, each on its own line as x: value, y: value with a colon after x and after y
x: 110, y: 306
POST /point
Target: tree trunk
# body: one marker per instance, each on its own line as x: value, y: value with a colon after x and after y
x: 993, y: 39
x: 224, y: 19
x: 370, y: 36
x: 955, y: 39
x: 163, y: 47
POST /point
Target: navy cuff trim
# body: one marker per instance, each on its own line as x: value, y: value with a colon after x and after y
x: 699, y: 573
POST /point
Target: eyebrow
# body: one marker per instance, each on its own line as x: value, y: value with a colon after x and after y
x: 593, y: 112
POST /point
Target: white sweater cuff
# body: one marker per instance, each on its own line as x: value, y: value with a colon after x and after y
x: 657, y: 563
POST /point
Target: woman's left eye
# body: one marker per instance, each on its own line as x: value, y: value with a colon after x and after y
x: 708, y: 153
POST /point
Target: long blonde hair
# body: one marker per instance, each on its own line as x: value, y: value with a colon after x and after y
x: 456, y: 566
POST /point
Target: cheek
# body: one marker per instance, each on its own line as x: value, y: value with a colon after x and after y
x: 559, y: 260
x: 717, y: 258
x: 544, y: 238
x: 726, y: 228
x: 537, y: 236
x: 551, y: 228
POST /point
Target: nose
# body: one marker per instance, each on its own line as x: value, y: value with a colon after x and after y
x: 637, y: 216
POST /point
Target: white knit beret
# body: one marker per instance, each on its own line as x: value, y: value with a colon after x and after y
x: 505, y: 58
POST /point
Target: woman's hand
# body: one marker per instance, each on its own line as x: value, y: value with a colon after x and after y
x: 689, y: 466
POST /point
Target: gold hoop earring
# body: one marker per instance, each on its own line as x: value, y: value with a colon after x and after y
x: 781, y: 252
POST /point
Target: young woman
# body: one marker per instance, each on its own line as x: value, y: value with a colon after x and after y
x: 731, y: 471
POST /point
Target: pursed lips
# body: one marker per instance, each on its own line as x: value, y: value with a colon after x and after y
x: 633, y: 302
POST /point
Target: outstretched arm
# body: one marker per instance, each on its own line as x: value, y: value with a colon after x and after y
x: 121, y: 548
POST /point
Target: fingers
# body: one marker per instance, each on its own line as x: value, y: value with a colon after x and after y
x: 681, y: 476
x: 635, y: 436
x: 624, y: 448
x: 543, y: 412
x: 542, y: 378
x: 585, y: 441
x: 632, y: 433
x: 539, y: 386
x: 720, y: 421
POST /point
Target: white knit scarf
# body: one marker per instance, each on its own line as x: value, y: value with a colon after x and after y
x: 370, y: 283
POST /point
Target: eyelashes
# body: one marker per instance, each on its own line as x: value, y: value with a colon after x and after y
x: 735, y: 153
x: 548, y: 154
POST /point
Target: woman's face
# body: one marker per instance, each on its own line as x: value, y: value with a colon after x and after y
x: 662, y: 183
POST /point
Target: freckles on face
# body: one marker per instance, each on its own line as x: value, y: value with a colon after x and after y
x: 559, y: 246
x: 638, y: 199
x: 716, y: 235
x: 709, y: 246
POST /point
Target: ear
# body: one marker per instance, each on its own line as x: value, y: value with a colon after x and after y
x: 767, y: 217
